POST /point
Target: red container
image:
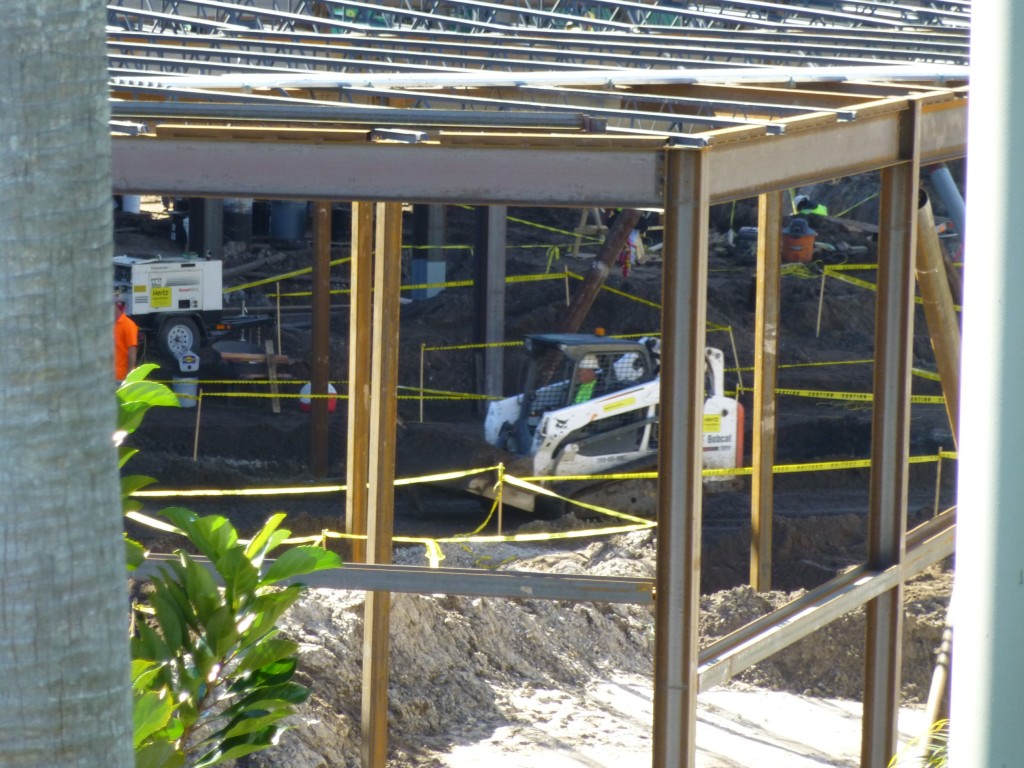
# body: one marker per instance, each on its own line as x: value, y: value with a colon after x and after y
x: 797, y: 249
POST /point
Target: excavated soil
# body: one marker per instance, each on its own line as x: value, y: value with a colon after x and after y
x: 463, y: 669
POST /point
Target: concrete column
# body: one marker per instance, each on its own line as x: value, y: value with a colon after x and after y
x: 206, y: 226
x: 489, y: 296
x: 429, y: 264
x: 988, y: 667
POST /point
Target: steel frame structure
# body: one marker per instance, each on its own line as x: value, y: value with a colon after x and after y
x: 557, y: 140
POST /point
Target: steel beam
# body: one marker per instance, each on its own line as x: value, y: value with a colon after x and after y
x: 478, y: 582
x: 332, y: 112
x: 560, y: 175
x: 677, y: 608
x: 360, y: 355
x: 766, y: 363
x: 554, y: 175
x: 890, y: 441
x: 802, y: 157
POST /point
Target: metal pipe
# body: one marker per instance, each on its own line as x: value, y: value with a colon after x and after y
x: 949, y: 192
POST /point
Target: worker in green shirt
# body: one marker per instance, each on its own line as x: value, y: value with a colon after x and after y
x: 586, y: 378
x: 810, y: 210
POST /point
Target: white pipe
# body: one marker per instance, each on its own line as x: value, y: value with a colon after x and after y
x: 477, y: 79
x: 951, y: 198
x: 988, y: 662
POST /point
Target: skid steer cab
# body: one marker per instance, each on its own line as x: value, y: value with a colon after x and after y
x: 590, y: 405
x: 177, y: 301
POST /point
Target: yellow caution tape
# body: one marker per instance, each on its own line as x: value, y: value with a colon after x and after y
x: 442, y: 476
x: 851, y: 280
x: 814, y: 365
x: 283, y: 276
x: 542, y: 491
x: 862, y: 397
x: 850, y: 267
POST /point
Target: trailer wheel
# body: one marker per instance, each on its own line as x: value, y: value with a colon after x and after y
x: 178, y: 336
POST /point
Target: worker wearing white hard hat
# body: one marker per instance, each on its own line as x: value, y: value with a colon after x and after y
x: 586, y: 378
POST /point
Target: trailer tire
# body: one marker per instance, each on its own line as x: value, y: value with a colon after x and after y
x: 178, y: 336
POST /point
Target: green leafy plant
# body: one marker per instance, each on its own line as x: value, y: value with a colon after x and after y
x: 211, y: 676
x: 937, y: 755
x: 135, y: 397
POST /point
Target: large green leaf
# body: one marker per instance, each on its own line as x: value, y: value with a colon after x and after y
x: 275, y: 673
x: 240, y: 577
x: 147, y: 643
x: 269, y: 697
x: 299, y: 561
x: 256, y: 548
x: 129, y: 416
x: 252, y: 721
x: 123, y: 454
x: 148, y: 393
x: 169, y: 618
x: 176, y: 590
x: 132, y: 483
x: 232, y: 749
x: 134, y: 553
x: 139, y: 373
x: 159, y: 754
x: 221, y: 632
x: 201, y: 589
x: 266, y: 653
x: 267, y: 609
x: 151, y: 712
x: 144, y: 672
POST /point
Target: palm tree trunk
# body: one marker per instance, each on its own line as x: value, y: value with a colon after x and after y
x: 64, y: 687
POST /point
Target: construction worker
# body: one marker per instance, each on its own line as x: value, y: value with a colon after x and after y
x: 586, y: 379
x: 810, y: 210
x: 126, y: 340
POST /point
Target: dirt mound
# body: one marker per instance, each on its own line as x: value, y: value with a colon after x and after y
x: 463, y: 668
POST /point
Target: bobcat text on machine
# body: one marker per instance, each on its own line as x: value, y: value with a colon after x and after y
x: 179, y: 300
x: 589, y: 405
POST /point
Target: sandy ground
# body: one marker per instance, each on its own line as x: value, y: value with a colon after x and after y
x: 737, y: 726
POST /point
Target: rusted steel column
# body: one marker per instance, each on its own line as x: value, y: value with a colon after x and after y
x: 387, y: 283
x: 360, y: 350
x: 766, y: 362
x: 939, y: 312
x: 677, y: 605
x: 890, y: 441
x: 321, y: 334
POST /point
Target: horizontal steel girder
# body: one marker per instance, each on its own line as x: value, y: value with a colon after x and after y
x: 545, y: 176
